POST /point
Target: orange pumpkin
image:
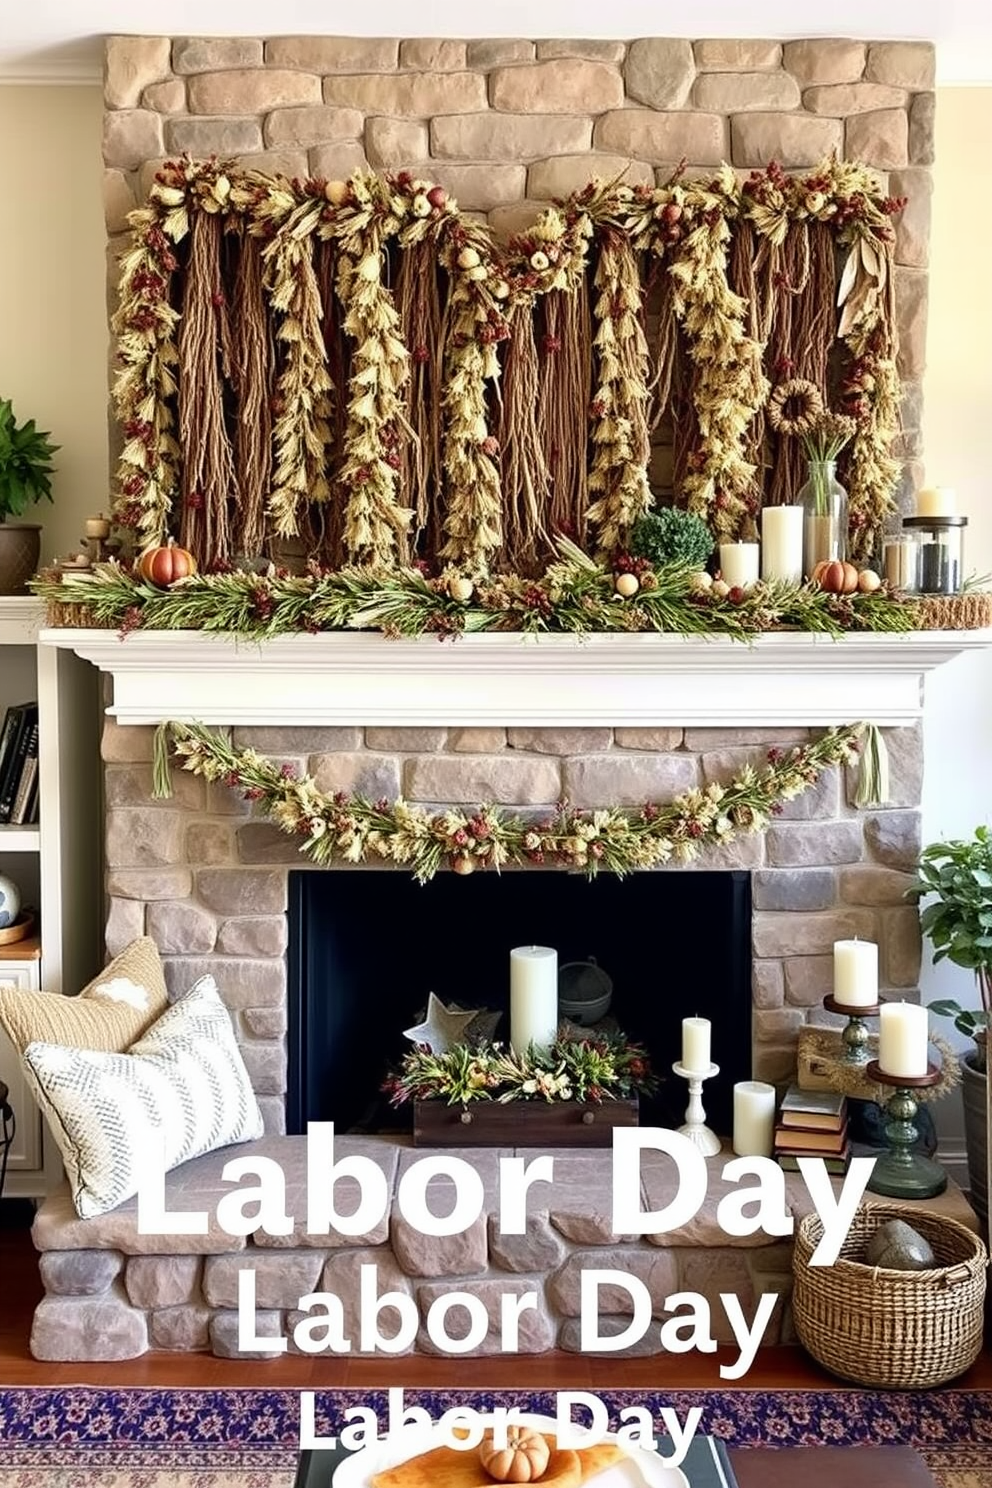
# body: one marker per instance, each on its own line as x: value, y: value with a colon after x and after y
x: 163, y: 566
x: 835, y: 577
x: 524, y: 1459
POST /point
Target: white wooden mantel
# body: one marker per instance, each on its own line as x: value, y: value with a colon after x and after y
x: 514, y: 680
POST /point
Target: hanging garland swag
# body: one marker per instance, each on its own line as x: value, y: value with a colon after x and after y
x: 343, y: 386
x: 349, y: 829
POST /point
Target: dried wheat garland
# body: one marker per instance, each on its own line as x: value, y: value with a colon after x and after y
x: 346, y: 420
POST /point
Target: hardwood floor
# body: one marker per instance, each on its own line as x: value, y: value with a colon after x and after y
x: 20, y: 1289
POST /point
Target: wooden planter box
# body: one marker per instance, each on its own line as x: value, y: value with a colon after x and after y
x: 521, y: 1123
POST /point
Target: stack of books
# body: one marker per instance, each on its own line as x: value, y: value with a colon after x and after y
x: 813, y: 1123
x: 19, y: 765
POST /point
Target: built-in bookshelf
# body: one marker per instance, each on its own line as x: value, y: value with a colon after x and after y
x: 55, y: 862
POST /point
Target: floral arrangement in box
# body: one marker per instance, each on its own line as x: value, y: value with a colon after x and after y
x: 607, y: 1067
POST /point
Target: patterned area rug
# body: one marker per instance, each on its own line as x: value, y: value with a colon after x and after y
x: 83, y: 1437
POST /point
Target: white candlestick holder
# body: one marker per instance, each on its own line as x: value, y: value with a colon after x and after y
x: 695, y: 1127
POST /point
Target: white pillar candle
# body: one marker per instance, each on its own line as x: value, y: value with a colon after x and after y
x: 903, y: 1036
x: 782, y: 543
x: 754, y: 1118
x: 936, y: 501
x: 533, y: 997
x: 856, y: 973
x: 739, y: 564
x: 696, y: 1045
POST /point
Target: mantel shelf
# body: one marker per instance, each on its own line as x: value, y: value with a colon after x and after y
x: 550, y: 680
x: 21, y: 617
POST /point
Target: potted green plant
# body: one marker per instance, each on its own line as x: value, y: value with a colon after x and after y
x: 958, y: 922
x: 25, y: 477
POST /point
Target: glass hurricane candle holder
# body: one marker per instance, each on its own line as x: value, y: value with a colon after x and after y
x: 824, y: 503
x: 940, y: 553
x: 899, y: 562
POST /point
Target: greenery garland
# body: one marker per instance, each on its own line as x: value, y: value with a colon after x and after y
x: 595, y: 1068
x: 575, y: 595
x: 349, y: 829
x: 685, y: 226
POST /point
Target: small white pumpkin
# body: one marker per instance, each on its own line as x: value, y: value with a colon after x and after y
x: 524, y: 1459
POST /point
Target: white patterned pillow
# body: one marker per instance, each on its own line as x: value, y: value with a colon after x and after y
x: 183, y: 1083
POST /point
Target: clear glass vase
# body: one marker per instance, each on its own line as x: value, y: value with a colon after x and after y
x: 824, y: 503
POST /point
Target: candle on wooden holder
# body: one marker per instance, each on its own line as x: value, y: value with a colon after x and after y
x: 98, y: 526
x: 696, y: 1045
x: 856, y: 973
x: 903, y: 1039
x: 739, y: 564
x: 782, y: 543
x: 936, y: 501
x: 533, y: 997
x: 754, y: 1118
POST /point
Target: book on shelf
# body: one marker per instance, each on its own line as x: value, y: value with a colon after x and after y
x: 19, y: 723
x: 836, y: 1163
x: 8, y: 731
x: 810, y: 1143
x: 24, y: 811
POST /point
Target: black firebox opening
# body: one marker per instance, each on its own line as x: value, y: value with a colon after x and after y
x: 366, y: 947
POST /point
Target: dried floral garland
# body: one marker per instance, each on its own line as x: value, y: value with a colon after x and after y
x: 685, y: 227
x: 349, y: 829
x: 594, y: 1068
x: 575, y: 595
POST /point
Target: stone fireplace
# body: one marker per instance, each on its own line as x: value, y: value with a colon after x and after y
x: 595, y: 721
x: 507, y: 125
x: 209, y: 881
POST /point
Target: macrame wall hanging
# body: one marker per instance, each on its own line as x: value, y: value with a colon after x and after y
x: 359, y: 366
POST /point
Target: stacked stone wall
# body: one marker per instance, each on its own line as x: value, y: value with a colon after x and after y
x: 506, y: 125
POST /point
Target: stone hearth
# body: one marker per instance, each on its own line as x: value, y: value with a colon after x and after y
x: 114, y: 1294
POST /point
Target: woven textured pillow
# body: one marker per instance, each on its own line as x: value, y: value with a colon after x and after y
x: 109, y: 1014
x: 182, y: 1090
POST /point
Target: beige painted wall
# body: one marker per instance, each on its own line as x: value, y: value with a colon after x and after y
x: 957, y: 412
x: 52, y: 302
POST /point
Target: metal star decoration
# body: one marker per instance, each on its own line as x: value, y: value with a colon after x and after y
x: 442, y: 1026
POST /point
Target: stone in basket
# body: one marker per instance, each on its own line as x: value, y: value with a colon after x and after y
x: 898, y: 1330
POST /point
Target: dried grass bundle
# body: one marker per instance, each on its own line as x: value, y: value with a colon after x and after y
x: 209, y: 480
x: 251, y: 376
x: 563, y: 404
x: 526, y: 478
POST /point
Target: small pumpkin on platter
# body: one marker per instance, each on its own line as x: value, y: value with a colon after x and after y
x: 163, y: 565
x: 524, y: 1459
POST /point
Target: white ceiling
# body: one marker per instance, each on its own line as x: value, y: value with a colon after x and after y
x: 59, y: 41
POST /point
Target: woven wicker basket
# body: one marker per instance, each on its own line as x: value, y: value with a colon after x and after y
x: 905, y: 1330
